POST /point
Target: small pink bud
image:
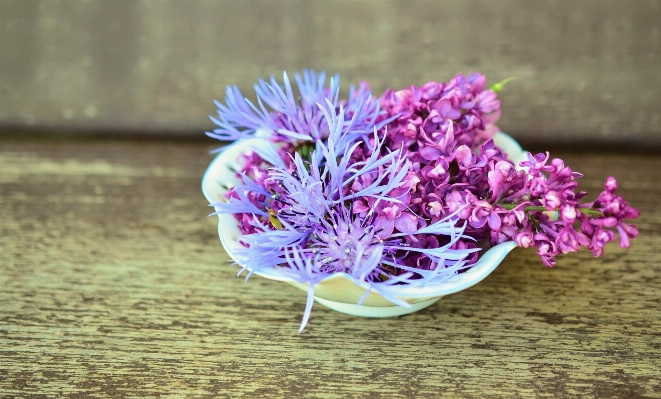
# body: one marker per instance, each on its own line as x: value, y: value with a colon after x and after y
x: 552, y: 200
x: 463, y: 155
x: 524, y: 239
x: 568, y: 213
x: 611, y: 184
x: 411, y: 131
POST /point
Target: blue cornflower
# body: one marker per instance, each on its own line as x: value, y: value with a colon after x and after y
x: 279, y: 115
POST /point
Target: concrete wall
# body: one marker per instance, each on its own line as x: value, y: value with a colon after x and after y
x: 587, y: 69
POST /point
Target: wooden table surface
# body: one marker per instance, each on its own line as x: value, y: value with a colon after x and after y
x: 113, y: 283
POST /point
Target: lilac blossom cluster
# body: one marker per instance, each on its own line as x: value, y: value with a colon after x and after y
x: 398, y: 189
x: 445, y: 130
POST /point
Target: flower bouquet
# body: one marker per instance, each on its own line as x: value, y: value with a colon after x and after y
x: 380, y: 206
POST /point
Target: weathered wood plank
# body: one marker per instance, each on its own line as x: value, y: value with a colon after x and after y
x: 114, y: 284
x: 587, y: 69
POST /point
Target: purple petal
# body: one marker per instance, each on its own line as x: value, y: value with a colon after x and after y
x: 605, y: 222
x: 384, y: 228
x: 430, y: 153
x: 442, y: 107
x: 624, y: 238
x: 463, y: 155
x: 406, y: 223
x: 360, y: 207
x: 494, y: 221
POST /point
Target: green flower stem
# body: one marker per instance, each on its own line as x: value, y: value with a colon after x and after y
x: 586, y: 211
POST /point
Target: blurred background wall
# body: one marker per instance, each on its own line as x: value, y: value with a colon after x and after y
x: 587, y: 69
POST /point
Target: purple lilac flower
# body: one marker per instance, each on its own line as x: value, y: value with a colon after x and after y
x: 615, y: 209
x: 442, y: 115
x: 444, y: 130
x: 553, y: 209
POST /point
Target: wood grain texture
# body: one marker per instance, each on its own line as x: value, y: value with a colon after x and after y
x: 113, y: 283
x: 588, y: 69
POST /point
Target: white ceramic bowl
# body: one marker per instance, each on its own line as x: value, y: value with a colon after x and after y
x: 340, y: 291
